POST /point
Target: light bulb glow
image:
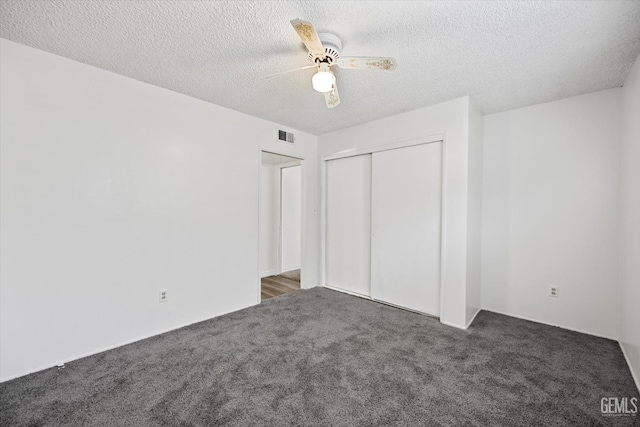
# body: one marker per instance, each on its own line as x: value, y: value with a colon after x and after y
x: 323, y: 80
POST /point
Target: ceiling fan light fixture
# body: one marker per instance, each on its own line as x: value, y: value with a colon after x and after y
x: 324, y: 80
x: 324, y: 52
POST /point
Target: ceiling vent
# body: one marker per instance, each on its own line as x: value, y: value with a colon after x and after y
x: 285, y: 136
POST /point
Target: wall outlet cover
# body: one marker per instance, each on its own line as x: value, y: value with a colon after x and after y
x: 553, y: 292
x: 163, y: 295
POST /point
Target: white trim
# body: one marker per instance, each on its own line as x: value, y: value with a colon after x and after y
x: 368, y: 298
x: 259, y: 215
x: 269, y: 273
x: 472, y: 318
x: 111, y: 347
x: 371, y: 235
x: 453, y: 325
x: 299, y: 161
x: 437, y: 137
x: 278, y: 204
x: 551, y: 324
x: 633, y: 374
x: 384, y: 147
x: 263, y: 150
x: 443, y: 223
x: 322, y: 211
x: 399, y: 307
x: 344, y: 291
x: 281, y: 166
x: 290, y: 164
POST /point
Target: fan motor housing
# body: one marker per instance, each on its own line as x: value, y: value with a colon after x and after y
x: 332, y: 47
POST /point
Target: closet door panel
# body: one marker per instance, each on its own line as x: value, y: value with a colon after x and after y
x: 348, y: 226
x: 406, y: 227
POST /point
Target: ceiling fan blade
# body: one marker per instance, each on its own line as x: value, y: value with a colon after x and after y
x: 366, y: 63
x: 309, y: 36
x: 332, y: 98
x: 306, y: 67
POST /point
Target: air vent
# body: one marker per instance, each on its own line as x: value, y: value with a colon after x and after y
x: 285, y: 136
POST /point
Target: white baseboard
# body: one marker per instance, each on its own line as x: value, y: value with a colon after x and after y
x: 633, y: 374
x: 453, y: 325
x: 550, y: 324
x: 473, y: 318
x: 103, y: 349
x: 626, y: 357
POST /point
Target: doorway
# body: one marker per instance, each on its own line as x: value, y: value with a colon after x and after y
x: 280, y: 225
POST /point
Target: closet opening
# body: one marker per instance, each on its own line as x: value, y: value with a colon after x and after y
x: 281, y: 196
x: 383, y: 223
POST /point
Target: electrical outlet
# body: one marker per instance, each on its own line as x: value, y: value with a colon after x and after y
x: 553, y: 292
x: 163, y: 295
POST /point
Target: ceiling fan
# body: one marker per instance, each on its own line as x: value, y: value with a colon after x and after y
x: 324, y: 53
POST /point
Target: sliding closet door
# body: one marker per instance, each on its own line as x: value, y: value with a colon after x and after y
x: 406, y: 224
x: 348, y: 243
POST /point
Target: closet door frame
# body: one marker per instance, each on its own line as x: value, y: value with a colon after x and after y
x: 438, y: 137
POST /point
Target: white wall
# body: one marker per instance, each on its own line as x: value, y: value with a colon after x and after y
x: 629, y: 304
x: 451, y: 117
x: 269, y: 219
x: 474, y: 213
x: 112, y: 189
x: 290, y: 192
x: 550, y: 213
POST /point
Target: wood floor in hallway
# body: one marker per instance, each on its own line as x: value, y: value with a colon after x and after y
x: 275, y: 286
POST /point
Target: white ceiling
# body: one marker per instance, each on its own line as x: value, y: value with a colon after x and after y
x: 504, y: 54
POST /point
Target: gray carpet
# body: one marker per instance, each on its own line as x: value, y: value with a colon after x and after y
x: 320, y: 357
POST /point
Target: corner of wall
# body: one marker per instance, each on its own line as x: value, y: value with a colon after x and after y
x: 474, y: 212
x: 629, y: 277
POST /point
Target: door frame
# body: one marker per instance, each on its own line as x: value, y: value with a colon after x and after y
x: 297, y: 161
x: 280, y: 167
x: 437, y: 137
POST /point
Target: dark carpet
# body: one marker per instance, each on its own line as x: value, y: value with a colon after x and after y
x: 319, y: 357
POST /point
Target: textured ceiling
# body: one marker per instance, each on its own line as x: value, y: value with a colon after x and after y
x: 503, y: 54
